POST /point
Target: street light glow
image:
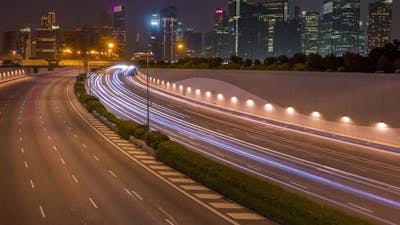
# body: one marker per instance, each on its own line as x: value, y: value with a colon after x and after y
x: 208, y: 94
x: 220, y: 97
x: 269, y: 107
x: 346, y: 119
x: 234, y: 100
x: 316, y: 114
x: 290, y: 110
x: 198, y: 92
x: 382, y: 125
x: 250, y: 103
x: 189, y: 89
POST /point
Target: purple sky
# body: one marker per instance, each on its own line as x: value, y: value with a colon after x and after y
x: 194, y: 13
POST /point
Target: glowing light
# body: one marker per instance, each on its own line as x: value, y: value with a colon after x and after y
x: 189, y: 89
x: 162, y: 82
x: 208, y: 94
x: 111, y: 45
x: 250, y: 103
x: 220, y: 97
x: 173, y: 86
x: 316, y: 114
x: 180, y: 87
x: 234, y: 100
x: 269, y: 107
x: 180, y: 46
x: 346, y: 119
x: 382, y: 125
x: 198, y: 92
x: 290, y: 110
x: 168, y: 84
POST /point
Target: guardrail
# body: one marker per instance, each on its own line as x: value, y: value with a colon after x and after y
x: 11, y: 74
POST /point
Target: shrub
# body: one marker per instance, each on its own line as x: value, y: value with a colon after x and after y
x: 127, y: 128
x: 95, y: 105
x: 81, y: 77
x: 140, y: 132
x: 155, y: 138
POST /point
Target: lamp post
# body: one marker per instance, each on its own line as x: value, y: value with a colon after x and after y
x: 148, y: 94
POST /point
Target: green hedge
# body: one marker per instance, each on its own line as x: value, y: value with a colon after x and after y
x: 263, y: 197
x: 155, y: 138
x: 127, y: 128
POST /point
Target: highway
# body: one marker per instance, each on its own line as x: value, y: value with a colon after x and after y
x: 360, y: 180
x: 57, y: 169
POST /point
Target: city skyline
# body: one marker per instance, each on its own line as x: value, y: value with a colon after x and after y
x: 185, y: 14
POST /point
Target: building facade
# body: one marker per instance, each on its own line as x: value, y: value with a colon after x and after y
x: 48, y: 38
x: 25, y: 42
x: 119, y: 31
x: 340, y: 27
x: 311, y: 32
x: 379, y: 23
x: 222, y: 34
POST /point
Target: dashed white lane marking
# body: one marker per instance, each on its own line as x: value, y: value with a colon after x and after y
x: 113, y: 174
x: 84, y: 146
x: 76, y: 136
x: 42, y: 211
x: 32, y: 184
x: 55, y: 148
x: 93, y: 203
x: 169, y: 222
x: 49, y: 137
x: 26, y: 164
x: 19, y: 130
x: 69, y: 128
x: 170, y: 218
x: 22, y: 150
x: 245, y: 216
x: 62, y: 160
x: 20, y: 139
x: 96, y: 158
x: 137, y: 195
x: 74, y: 178
x: 360, y: 208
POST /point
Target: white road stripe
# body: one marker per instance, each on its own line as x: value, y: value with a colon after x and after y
x: 26, y: 165
x: 62, y: 160
x: 76, y: 136
x: 299, y: 185
x: 93, y: 203
x: 169, y: 222
x: 137, y: 195
x: 84, y: 146
x: 113, y: 174
x: 32, y: 184
x: 49, y: 137
x: 22, y: 150
x: 55, y: 148
x: 127, y: 191
x: 359, y: 207
x: 42, y: 211
x: 96, y: 158
x: 20, y: 139
x: 74, y: 178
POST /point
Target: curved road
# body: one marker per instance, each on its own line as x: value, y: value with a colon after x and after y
x: 55, y: 169
x: 360, y: 180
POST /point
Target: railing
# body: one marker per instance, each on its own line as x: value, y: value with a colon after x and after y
x: 11, y: 74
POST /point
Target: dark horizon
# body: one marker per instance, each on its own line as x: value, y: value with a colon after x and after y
x: 75, y: 13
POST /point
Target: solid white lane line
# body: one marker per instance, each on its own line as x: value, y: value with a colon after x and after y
x: 93, y: 203
x: 360, y: 208
x: 137, y: 195
x: 97, y: 158
x: 26, y: 164
x: 299, y: 185
x: 62, y: 160
x: 113, y: 174
x: 32, y: 184
x: 74, y: 178
x: 42, y: 211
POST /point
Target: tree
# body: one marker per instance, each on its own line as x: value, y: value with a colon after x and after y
x: 283, y: 59
x: 269, y: 61
x: 314, y: 61
x: 298, y: 58
x: 236, y: 60
x: 397, y: 65
x: 248, y: 63
x: 330, y: 62
x: 257, y: 62
x: 385, y: 65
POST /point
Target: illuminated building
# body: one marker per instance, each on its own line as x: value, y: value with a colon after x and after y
x: 222, y: 34
x: 47, y: 38
x: 380, y: 23
x: 311, y: 32
x: 119, y: 29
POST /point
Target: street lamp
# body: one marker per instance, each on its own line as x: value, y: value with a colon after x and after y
x: 111, y: 45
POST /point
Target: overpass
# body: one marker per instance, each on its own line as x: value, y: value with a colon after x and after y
x: 66, y: 63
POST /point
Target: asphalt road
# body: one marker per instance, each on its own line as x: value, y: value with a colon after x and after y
x: 55, y: 169
x: 360, y: 180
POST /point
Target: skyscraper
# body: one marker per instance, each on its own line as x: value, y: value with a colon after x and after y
x: 168, y: 30
x: 193, y: 42
x: 274, y: 11
x: 119, y: 29
x: 340, y: 27
x: 380, y: 23
x: 311, y: 32
x: 24, y: 42
x: 222, y: 34
x: 47, y: 38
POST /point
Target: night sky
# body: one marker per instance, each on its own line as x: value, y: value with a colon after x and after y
x: 193, y: 13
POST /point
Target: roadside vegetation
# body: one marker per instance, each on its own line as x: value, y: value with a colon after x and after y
x: 382, y: 60
x: 265, y: 198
